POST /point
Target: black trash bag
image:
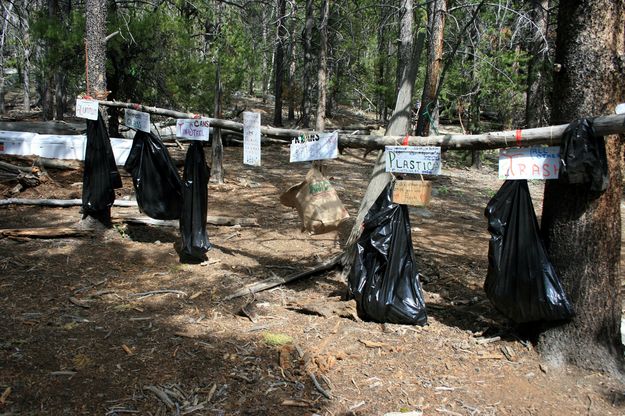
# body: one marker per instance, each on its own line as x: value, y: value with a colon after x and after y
x: 384, y: 279
x: 195, y: 178
x: 521, y: 282
x: 154, y: 175
x: 100, y: 175
x: 583, y: 158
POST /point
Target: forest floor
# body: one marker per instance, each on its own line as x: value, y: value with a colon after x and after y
x: 85, y: 331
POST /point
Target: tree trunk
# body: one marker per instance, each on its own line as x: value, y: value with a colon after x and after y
x: 582, y: 229
x: 95, y: 34
x: 5, y: 25
x: 437, y: 11
x: 279, y: 62
x: 535, y: 108
x: 265, y: 64
x: 381, y: 62
x: 95, y: 14
x: 59, y: 96
x: 217, y: 148
x: 398, y: 125
x: 322, y: 71
x: 308, y: 65
x: 291, y: 76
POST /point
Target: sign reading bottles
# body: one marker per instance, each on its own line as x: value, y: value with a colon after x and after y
x: 315, y: 147
x: 193, y: 128
x: 413, y: 159
x: 251, y: 138
x: 137, y: 120
x: 529, y: 163
x: 87, y: 109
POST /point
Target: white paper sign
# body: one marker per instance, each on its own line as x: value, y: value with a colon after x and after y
x: 413, y: 159
x: 193, y: 128
x: 137, y: 120
x: 251, y: 138
x: 529, y: 163
x: 316, y: 147
x: 87, y: 109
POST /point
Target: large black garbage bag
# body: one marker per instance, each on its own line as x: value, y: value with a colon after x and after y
x: 154, y: 175
x: 384, y: 279
x: 195, y: 178
x: 521, y: 281
x: 583, y: 157
x: 100, y: 175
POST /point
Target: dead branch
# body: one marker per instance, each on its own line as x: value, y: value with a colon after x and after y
x: 43, y: 232
x: 277, y: 280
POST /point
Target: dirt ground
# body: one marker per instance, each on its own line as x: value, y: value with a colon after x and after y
x: 84, y: 329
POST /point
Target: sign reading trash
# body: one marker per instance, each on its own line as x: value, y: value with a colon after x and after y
x: 413, y: 159
x: 315, y: 147
x: 87, y: 109
x: 529, y: 163
x: 193, y: 128
x: 251, y: 138
x: 416, y: 193
x: 137, y: 120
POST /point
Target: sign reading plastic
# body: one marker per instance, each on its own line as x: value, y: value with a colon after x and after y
x: 193, y: 128
x: 315, y: 147
x: 87, y: 109
x: 251, y: 138
x: 137, y: 120
x: 529, y: 163
x: 413, y: 159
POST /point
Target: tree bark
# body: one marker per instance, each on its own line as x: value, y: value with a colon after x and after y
x: 217, y: 148
x: 95, y: 34
x: 535, y: 108
x: 437, y: 11
x: 5, y: 25
x: 217, y: 145
x: 279, y: 62
x: 292, y: 66
x: 322, y: 71
x: 582, y: 229
x: 95, y: 14
x: 308, y: 65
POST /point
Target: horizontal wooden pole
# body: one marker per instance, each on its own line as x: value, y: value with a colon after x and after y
x: 214, y: 122
x: 552, y: 135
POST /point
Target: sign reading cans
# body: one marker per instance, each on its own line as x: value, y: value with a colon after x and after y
x: 193, y: 128
x: 87, y: 109
x: 529, y: 163
x: 251, y: 138
x: 413, y: 159
x: 137, y: 120
x: 315, y: 147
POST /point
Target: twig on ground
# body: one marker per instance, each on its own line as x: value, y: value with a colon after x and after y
x: 318, y: 386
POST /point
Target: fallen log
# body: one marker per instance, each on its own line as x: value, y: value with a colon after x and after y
x: 275, y: 281
x: 58, y: 202
x: 210, y: 219
x: 43, y: 232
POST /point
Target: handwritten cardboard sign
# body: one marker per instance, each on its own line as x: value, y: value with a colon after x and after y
x: 137, y: 120
x: 193, y: 128
x: 529, y: 163
x: 413, y: 159
x: 417, y: 193
x: 87, y: 109
x: 251, y: 138
x: 316, y: 147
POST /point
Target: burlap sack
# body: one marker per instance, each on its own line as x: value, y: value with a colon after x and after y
x: 318, y: 205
